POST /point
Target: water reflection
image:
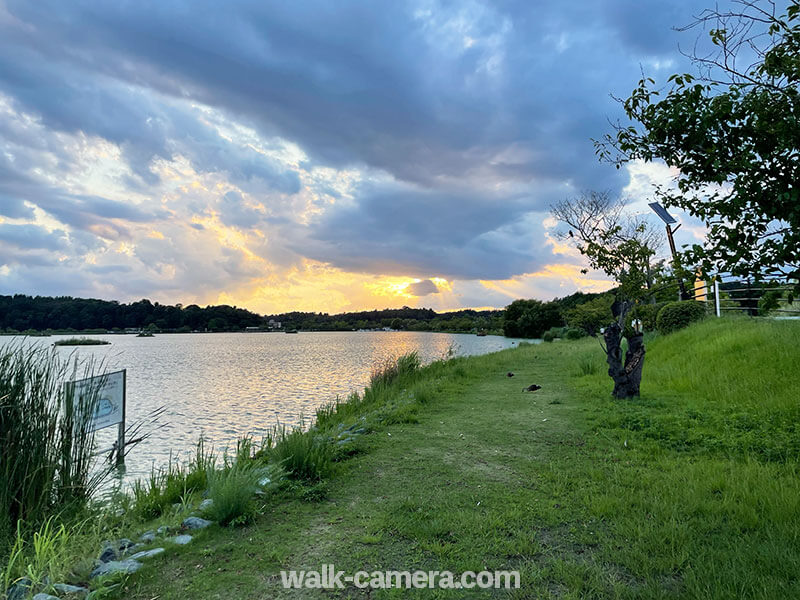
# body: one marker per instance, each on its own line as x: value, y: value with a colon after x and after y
x: 228, y: 385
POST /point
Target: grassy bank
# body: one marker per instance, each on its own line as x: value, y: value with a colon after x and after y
x: 691, y: 491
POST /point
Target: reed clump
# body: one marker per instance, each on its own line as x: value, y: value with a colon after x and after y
x: 46, y: 437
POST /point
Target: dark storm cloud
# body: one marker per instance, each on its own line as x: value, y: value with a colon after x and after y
x: 407, y: 230
x: 380, y: 83
x: 422, y: 288
x: 457, y: 102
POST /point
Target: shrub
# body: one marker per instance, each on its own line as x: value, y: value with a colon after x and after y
x: 769, y: 302
x: 677, y: 315
x: 647, y: 314
x: 574, y: 334
x: 548, y: 336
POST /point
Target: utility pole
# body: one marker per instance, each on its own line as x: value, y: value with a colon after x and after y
x: 669, y: 220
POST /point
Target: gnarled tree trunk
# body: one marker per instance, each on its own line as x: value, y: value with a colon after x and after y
x: 627, y: 376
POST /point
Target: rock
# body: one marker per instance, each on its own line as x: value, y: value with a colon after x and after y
x: 64, y: 589
x: 532, y: 388
x: 205, y: 504
x: 114, y: 550
x: 147, y: 554
x: 345, y: 441
x: 181, y: 540
x: 264, y: 481
x: 45, y: 597
x: 108, y: 554
x: 19, y: 589
x: 148, y: 537
x: 163, y: 530
x: 195, y: 523
x: 116, y: 566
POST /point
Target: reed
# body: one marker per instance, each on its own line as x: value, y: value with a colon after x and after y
x: 46, y: 463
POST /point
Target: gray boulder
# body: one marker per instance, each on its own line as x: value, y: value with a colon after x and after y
x: 76, y: 591
x: 163, y: 530
x: 147, y: 554
x: 195, y: 523
x: 114, y: 550
x: 181, y: 540
x: 148, y: 537
x: 19, y: 589
x: 45, y: 597
x: 116, y: 566
x: 205, y: 504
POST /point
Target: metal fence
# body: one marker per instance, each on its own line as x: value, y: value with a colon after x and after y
x: 766, y: 296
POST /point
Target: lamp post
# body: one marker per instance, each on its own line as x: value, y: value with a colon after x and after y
x: 669, y: 220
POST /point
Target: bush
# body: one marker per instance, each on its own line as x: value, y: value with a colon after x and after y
x: 647, y: 314
x: 677, y: 315
x: 769, y: 302
x: 574, y: 334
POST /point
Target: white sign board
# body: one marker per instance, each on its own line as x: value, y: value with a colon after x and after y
x: 110, y: 408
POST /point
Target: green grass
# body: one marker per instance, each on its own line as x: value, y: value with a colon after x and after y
x: 690, y: 491
x: 173, y: 484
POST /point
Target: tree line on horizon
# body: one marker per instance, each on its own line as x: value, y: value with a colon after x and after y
x: 26, y: 314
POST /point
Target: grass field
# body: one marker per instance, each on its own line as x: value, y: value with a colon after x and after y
x: 691, y: 491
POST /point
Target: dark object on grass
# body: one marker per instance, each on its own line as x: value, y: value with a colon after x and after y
x: 509, y: 374
x: 532, y: 388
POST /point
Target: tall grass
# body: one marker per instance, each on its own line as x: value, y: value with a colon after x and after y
x: 233, y: 487
x: 45, y: 557
x: 45, y: 436
x: 302, y: 454
x: 170, y: 485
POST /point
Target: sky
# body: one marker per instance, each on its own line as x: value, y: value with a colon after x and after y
x: 316, y: 156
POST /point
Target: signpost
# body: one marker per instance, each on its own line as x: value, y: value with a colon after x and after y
x: 109, y: 391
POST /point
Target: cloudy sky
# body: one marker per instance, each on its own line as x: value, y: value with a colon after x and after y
x: 313, y: 155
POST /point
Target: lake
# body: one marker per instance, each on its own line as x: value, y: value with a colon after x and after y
x: 226, y: 385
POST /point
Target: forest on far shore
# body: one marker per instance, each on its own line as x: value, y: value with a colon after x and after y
x: 27, y: 314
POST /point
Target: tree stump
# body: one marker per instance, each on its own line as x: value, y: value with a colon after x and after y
x: 627, y: 376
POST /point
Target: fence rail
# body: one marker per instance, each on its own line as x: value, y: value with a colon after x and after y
x: 767, y: 296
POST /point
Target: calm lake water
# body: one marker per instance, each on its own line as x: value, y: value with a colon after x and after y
x: 227, y: 385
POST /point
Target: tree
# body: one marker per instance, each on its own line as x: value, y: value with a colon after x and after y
x: 733, y: 133
x: 623, y: 247
x: 530, y: 318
